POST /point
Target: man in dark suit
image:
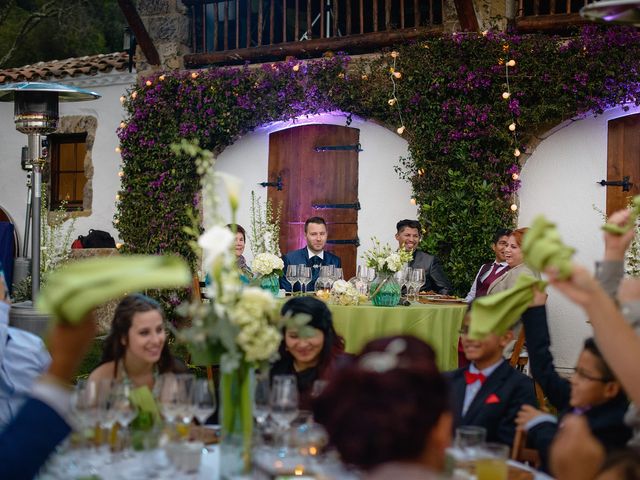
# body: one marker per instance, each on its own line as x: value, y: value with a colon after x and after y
x: 312, y: 255
x: 409, y: 233
x: 489, y: 392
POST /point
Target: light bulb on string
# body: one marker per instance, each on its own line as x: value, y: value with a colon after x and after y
x: 511, y: 63
x: 515, y: 176
x: 513, y: 207
x: 516, y: 152
x: 412, y: 201
x: 512, y: 127
x: 506, y: 95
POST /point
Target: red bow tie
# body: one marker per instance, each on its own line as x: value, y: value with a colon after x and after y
x: 473, y: 377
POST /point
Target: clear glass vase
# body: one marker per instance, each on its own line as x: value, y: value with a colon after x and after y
x: 385, y: 291
x: 236, y: 422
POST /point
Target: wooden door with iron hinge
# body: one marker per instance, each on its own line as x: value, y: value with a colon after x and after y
x: 623, y: 161
x: 317, y: 167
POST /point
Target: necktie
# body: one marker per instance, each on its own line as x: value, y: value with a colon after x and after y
x: 495, y: 272
x: 474, y: 377
x: 314, y: 262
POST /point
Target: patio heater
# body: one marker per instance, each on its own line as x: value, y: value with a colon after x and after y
x: 36, y: 114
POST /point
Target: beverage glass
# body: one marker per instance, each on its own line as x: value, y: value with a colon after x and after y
x: 491, y: 462
x: 470, y: 437
x: 261, y: 400
x: 284, y: 400
x: 204, y: 399
x: 304, y: 275
x: 292, y: 275
x: 416, y: 280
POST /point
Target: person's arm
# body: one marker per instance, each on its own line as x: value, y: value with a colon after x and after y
x: 611, y: 270
x: 543, y: 371
x: 440, y: 280
x: 45, y: 418
x: 616, y: 338
x: 575, y: 453
x: 472, y: 293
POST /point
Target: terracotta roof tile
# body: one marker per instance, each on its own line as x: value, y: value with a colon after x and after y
x: 70, y: 67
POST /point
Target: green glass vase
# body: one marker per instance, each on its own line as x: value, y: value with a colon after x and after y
x: 385, y: 291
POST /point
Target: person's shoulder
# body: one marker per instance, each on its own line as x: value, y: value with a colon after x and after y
x: 294, y: 253
x: 452, y: 375
x: 24, y: 339
x: 102, y: 372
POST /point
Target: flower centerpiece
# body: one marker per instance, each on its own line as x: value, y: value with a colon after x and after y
x: 343, y: 293
x: 385, y: 290
x: 239, y: 329
x: 265, y: 236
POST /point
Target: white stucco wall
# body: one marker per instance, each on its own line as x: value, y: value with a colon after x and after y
x: 559, y: 181
x: 384, y: 197
x: 106, y: 161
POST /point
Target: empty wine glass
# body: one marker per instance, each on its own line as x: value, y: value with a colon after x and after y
x: 337, y: 274
x: 261, y: 400
x: 304, y: 275
x: 324, y: 280
x: 401, y: 277
x: 284, y: 400
x: 204, y: 399
x: 416, y: 280
x: 125, y: 410
x: 171, y: 396
x: 292, y: 275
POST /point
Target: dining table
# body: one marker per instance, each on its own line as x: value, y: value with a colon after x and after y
x: 437, y: 323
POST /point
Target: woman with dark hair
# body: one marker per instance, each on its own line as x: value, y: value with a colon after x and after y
x: 136, y: 349
x: 388, y: 412
x: 309, y: 358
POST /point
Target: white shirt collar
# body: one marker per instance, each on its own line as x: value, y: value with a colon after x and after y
x: 311, y: 254
x: 487, y: 371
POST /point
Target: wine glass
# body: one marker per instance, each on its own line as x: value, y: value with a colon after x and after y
x: 292, y: 275
x: 125, y: 411
x: 170, y: 394
x: 284, y: 400
x: 416, y: 280
x: 261, y: 400
x: 204, y: 399
x: 337, y: 274
x: 401, y: 277
x: 85, y: 406
x: 304, y: 276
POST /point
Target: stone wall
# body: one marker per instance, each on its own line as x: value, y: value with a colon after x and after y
x: 167, y: 23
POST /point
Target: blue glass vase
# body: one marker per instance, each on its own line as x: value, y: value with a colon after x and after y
x: 385, y: 291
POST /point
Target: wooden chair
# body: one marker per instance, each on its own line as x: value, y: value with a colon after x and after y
x: 519, y: 450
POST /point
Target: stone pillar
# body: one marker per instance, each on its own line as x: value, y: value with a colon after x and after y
x: 167, y: 23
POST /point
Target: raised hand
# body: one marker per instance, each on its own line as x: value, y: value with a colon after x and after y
x: 615, y: 245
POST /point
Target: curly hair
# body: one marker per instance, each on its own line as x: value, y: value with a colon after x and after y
x: 114, y: 349
x: 377, y: 416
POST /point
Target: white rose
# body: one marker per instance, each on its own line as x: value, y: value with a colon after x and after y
x: 233, y: 186
x: 215, y: 242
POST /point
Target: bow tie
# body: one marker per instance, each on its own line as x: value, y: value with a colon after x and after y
x: 315, y: 260
x: 474, y: 377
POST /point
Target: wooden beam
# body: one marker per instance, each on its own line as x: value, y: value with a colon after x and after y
x: 466, y: 15
x: 549, y: 23
x: 361, y: 43
x: 139, y: 30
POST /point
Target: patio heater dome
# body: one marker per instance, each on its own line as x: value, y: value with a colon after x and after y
x: 613, y: 11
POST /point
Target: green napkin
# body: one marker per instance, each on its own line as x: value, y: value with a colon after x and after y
x: 145, y: 403
x: 498, y: 312
x: 542, y: 247
x: 75, y: 289
x: 621, y: 230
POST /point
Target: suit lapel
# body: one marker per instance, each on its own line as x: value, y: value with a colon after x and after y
x: 491, y: 385
x: 458, y: 386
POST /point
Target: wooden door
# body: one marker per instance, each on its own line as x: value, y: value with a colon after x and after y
x: 319, y: 182
x: 623, y: 159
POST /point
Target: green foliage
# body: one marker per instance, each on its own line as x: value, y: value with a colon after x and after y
x: 461, y: 158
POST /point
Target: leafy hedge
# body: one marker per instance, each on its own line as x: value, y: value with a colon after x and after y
x: 461, y: 162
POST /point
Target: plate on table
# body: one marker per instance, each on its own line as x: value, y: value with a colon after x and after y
x: 441, y: 298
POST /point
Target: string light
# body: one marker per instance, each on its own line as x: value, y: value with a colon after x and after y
x: 117, y: 149
x: 121, y: 174
x: 511, y: 63
x: 134, y: 94
x: 516, y: 152
x: 161, y: 78
x: 122, y: 124
x: 148, y: 83
x: 122, y: 99
x: 194, y: 75
x: 515, y: 176
x: 394, y: 75
x: 512, y: 127
x: 117, y: 197
x: 506, y: 95
x: 118, y: 245
x: 296, y: 67
x: 413, y: 201
x: 514, y: 207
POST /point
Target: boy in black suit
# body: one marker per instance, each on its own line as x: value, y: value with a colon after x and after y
x: 489, y: 392
x: 592, y: 392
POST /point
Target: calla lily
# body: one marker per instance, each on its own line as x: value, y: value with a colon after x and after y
x: 214, y: 242
x: 233, y: 186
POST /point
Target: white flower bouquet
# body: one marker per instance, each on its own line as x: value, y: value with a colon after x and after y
x: 343, y: 293
x: 267, y: 263
x: 384, y: 259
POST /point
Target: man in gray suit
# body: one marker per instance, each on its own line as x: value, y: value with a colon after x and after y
x: 409, y: 233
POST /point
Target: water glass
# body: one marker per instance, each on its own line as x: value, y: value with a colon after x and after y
x: 491, y: 462
x: 261, y: 400
x: 284, y: 400
x: 204, y: 399
x: 304, y: 275
x: 292, y: 275
x: 416, y: 280
x: 470, y: 436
